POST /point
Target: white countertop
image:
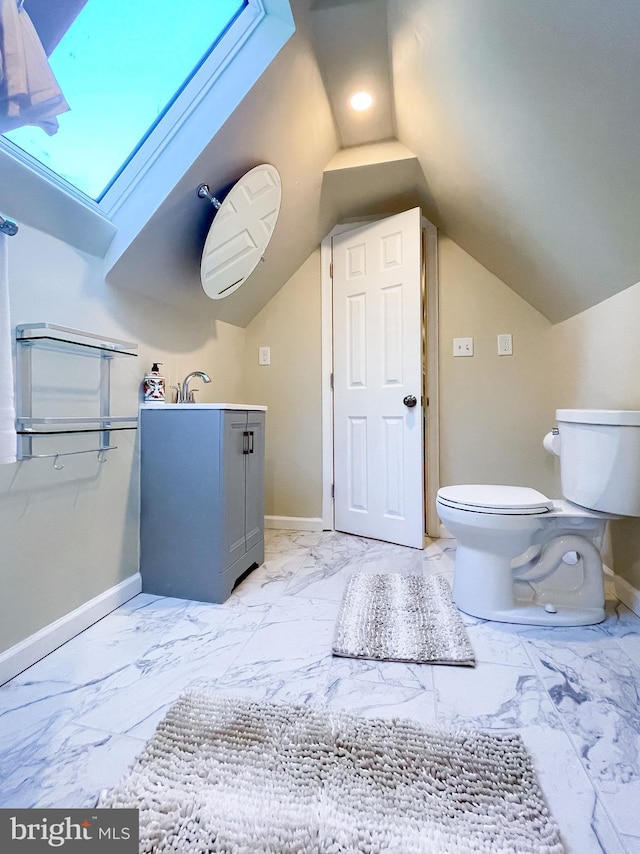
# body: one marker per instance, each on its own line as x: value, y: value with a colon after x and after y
x: 167, y: 406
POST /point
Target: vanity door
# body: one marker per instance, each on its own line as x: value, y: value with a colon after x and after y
x: 234, y: 455
x: 254, y: 480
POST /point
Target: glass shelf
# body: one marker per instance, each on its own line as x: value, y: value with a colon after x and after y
x: 89, y: 424
x: 64, y: 430
x: 65, y: 338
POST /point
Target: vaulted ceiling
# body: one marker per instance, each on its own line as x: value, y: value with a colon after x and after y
x: 513, y: 123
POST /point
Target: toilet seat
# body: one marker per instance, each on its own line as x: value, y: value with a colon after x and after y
x: 499, y: 500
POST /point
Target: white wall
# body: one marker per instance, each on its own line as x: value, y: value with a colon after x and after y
x: 67, y: 536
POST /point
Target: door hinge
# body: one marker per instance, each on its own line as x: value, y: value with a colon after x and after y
x: 331, y: 380
x: 331, y: 269
x: 333, y: 490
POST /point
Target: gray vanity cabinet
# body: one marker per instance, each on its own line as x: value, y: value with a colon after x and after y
x: 202, y: 499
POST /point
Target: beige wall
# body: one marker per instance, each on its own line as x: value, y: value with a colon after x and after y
x: 597, y: 355
x: 494, y: 410
x: 67, y: 536
x: 597, y: 365
x: 290, y: 386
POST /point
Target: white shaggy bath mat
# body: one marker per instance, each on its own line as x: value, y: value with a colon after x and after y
x: 241, y: 777
x: 401, y: 618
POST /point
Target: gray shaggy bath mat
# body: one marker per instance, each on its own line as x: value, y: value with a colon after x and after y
x: 401, y: 618
x: 236, y: 776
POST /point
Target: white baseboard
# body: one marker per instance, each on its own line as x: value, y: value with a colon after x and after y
x: 17, y: 658
x: 627, y: 594
x: 294, y: 523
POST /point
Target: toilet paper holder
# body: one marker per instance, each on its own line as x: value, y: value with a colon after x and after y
x: 551, y: 442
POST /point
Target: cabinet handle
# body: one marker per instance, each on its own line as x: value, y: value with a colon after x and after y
x: 245, y: 442
x: 250, y: 441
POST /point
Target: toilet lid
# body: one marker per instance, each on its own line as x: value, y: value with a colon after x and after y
x: 489, y: 498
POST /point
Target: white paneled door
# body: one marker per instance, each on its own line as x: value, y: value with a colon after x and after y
x: 378, y: 422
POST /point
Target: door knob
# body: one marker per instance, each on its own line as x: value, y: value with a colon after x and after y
x: 410, y: 401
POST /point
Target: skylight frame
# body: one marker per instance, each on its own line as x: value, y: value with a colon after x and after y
x: 182, y: 108
x: 35, y: 165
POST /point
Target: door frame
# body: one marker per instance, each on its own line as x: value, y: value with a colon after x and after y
x: 429, y: 273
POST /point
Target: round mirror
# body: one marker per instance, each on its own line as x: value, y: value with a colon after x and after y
x: 240, y: 231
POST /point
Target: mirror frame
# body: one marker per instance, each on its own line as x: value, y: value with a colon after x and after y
x: 241, y: 231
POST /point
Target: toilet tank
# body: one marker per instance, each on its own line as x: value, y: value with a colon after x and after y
x: 600, y: 459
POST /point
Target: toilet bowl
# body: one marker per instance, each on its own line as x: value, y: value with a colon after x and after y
x: 524, y: 558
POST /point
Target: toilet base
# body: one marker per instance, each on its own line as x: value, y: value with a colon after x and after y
x: 530, y: 614
x: 484, y: 586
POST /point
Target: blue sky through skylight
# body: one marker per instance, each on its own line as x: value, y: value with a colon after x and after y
x: 119, y: 66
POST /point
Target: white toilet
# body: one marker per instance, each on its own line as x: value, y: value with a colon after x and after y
x: 524, y: 558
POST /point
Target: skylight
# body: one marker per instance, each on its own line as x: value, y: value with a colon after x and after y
x: 122, y: 186
x: 120, y: 66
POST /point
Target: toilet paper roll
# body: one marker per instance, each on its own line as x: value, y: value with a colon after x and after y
x: 551, y: 443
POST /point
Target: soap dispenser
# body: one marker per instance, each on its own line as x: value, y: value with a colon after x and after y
x: 154, y: 385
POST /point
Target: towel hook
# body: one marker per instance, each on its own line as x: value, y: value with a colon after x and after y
x: 101, y: 456
x: 58, y: 466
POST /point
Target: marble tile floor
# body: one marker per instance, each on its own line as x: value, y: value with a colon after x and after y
x: 71, y: 724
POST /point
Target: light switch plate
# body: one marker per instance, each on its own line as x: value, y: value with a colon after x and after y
x: 264, y: 355
x: 463, y: 346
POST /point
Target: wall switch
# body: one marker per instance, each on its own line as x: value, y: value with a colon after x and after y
x: 264, y: 355
x: 463, y: 346
x: 505, y: 345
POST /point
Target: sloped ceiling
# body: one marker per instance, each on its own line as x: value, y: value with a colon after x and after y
x: 517, y: 123
x: 352, y: 47
x: 525, y: 119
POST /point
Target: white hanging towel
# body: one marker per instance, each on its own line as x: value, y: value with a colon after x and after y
x: 7, y: 400
x: 29, y: 92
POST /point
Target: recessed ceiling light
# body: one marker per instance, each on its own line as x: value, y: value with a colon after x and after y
x: 361, y: 101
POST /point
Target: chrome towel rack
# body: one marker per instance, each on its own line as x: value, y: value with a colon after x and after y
x: 30, y: 427
x: 8, y: 226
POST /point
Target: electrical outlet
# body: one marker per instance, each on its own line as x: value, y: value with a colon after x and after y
x: 505, y: 345
x: 463, y: 346
x: 264, y: 355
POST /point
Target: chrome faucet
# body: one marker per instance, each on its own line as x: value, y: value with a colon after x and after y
x: 186, y: 395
